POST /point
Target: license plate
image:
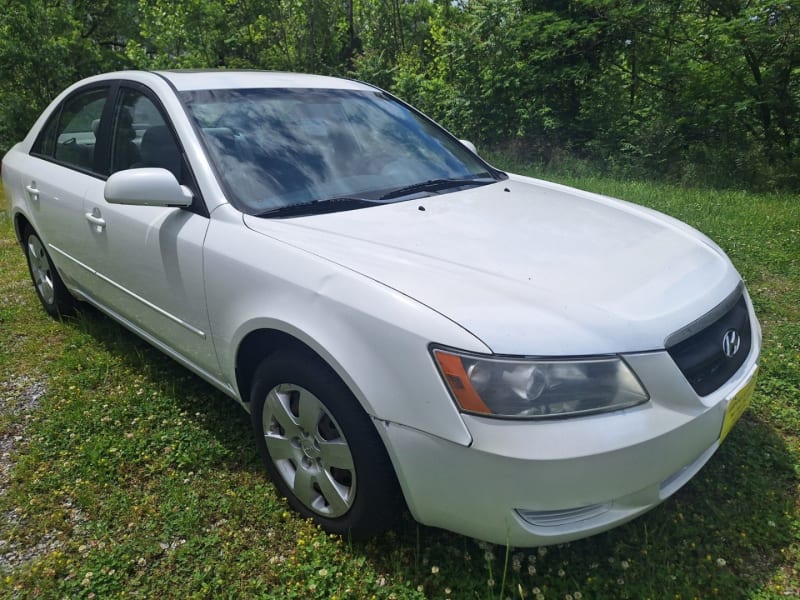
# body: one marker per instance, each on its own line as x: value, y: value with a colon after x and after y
x: 737, y: 406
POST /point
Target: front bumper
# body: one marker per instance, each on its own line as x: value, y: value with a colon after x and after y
x: 538, y: 483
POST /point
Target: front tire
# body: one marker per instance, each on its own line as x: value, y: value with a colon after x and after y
x: 50, y: 289
x: 320, y: 447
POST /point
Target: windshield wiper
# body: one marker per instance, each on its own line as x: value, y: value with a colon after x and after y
x: 316, y: 207
x: 435, y: 185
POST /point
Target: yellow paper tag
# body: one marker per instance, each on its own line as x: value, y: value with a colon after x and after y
x: 737, y: 406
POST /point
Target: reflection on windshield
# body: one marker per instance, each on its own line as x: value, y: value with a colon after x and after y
x: 281, y: 147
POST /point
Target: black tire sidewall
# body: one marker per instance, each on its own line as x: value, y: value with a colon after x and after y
x: 378, y: 501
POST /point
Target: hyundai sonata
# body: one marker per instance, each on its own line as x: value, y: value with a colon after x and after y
x: 511, y: 359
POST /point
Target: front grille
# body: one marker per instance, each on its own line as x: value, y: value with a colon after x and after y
x: 701, y: 357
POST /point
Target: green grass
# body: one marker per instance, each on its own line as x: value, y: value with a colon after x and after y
x: 132, y: 477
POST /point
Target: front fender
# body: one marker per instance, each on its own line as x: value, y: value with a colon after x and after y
x: 374, y: 337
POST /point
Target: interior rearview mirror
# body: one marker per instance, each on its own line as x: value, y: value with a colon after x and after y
x: 469, y: 145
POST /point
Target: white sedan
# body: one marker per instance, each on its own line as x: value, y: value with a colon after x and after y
x: 513, y: 360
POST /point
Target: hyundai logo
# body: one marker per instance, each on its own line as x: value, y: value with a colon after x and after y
x: 731, y: 342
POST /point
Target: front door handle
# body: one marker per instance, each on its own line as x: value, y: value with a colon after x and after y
x: 95, y: 219
x: 33, y: 191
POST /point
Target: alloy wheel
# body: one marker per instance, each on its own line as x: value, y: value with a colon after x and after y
x: 309, y: 450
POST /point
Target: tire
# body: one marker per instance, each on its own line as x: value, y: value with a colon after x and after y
x: 320, y: 448
x: 50, y: 289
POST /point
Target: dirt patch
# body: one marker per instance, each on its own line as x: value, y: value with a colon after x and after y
x: 19, y: 397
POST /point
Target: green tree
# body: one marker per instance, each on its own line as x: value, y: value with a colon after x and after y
x: 696, y: 90
x: 45, y: 46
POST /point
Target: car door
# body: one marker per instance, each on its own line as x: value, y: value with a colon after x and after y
x: 66, y: 162
x: 149, y: 259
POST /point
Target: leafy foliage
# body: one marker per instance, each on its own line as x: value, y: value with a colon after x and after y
x: 701, y: 91
x: 45, y: 46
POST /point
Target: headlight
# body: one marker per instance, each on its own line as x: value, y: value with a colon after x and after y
x: 531, y: 389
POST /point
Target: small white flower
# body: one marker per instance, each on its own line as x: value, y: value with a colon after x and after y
x: 721, y: 562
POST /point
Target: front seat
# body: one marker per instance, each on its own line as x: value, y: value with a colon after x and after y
x: 159, y: 149
x: 126, y: 153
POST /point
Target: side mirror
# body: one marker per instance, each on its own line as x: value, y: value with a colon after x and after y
x: 469, y: 145
x: 146, y: 187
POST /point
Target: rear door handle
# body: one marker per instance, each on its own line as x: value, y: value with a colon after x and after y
x: 95, y: 219
x: 33, y: 191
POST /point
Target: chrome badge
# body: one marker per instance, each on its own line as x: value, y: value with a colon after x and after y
x: 731, y: 342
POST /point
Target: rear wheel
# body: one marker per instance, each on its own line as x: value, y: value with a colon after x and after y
x: 51, y: 290
x: 320, y: 447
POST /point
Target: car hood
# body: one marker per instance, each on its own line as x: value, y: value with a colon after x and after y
x: 529, y: 267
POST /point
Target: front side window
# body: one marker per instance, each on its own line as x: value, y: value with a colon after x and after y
x: 140, y: 136
x: 284, y: 148
x: 69, y: 137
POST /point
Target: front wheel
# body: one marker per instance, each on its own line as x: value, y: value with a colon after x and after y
x: 320, y: 447
x: 50, y: 289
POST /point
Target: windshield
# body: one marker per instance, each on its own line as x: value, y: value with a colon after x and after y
x: 279, y: 148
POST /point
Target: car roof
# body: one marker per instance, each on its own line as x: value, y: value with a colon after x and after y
x: 185, y: 80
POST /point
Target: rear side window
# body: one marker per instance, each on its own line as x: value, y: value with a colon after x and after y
x: 69, y: 137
